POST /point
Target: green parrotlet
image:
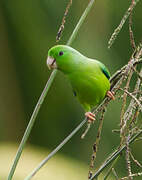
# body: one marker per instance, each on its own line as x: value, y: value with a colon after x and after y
x: 89, y: 78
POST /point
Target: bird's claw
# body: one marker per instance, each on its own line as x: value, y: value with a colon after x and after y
x: 90, y: 116
x: 110, y: 95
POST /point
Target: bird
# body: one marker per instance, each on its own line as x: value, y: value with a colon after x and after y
x: 89, y: 78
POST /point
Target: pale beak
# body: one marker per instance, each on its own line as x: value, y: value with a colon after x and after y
x: 51, y: 62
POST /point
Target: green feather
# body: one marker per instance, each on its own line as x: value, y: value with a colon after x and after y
x: 105, y: 71
x: 89, y: 78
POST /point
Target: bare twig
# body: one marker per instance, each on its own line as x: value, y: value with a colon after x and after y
x: 116, y: 131
x: 138, y: 74
x: 115, y: 174
x: 110, y: 169
x: 86, y: 130
x: 136, y: 161
x: 122, y: 120
x: 128, y: 162
x: 114, y: 155
x: 95, y: 145
x: 133, y: 97
x: 131, y: 107
x: 60, y: 31
x: 131, y: 34
x: 118, y: 29
x: 133, y: 121
x: 132, y: 175
x: 121, y: 74
x: 139, y: 139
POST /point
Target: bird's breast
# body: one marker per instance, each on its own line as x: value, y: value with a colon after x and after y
x: 90, y: 88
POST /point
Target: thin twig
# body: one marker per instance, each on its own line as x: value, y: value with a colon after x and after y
x: 123, y: 20
x: 134, y: 117
x: 114, y: 155
x: 133, y: 175
x: 110, y: 169
x: 134, y: 130
x: 131, y: 107
x: 86, y: 130
x: 128, y: 162
x: 138, y: 74
x: 135, y: 161
x: 60, y: 31
x: 131, y: 34
x: 133, y: 97
x: 121, y: 71
x: 123, y: 122
x: 139, y: 139
x: 116, y: 131
x: 96, y: 144
x: 115, y: 174
x: 138, y: 62
x: 136, y: 113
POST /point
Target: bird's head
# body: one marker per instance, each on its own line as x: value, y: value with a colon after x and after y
x: 63, y: 57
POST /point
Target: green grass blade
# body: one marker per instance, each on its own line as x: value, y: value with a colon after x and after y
x: 43, y: 95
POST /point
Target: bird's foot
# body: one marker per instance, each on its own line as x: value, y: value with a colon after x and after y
x: 110, y: 95
x: 90, y: 116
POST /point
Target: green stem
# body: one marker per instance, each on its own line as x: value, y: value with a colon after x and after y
x: 110, y: 169
x: 55, y: 150
x: 75, y: 31
x: 114, y: 156
x: 31, y: 123
x: 43, y: 95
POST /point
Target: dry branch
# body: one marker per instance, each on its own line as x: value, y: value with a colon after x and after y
x: 130, y: 111
x: 61, y: 28
x: 118, y: 29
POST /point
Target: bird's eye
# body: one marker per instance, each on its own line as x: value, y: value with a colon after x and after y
x: 61, y: 53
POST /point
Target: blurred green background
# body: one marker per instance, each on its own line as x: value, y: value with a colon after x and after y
x: 27, y: 30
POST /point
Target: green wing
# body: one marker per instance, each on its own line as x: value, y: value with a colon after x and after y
x: 105, y: 71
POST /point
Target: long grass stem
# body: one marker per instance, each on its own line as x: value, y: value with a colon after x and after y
x: 55, y: 150
x: 30, y: 125
x: 43, y: 95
